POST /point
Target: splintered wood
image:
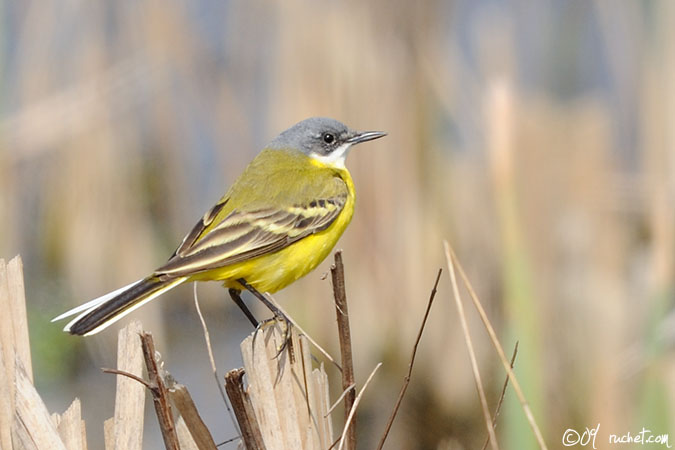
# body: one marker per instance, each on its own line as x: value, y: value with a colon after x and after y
x: 25, y: 422
x: 284, y: 405
x: 130, y: 394
x: 70, y: 427
x: 198, y: 435
x: 288, y: 400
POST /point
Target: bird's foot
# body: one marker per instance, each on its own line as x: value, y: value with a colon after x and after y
x: 285, y: 326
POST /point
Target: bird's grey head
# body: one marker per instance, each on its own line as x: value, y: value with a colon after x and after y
x: 323, y: 139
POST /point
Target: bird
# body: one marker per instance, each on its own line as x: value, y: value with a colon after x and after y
x: 279, y: 219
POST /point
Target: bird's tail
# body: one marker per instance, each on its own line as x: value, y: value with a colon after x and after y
x: 103, y: 311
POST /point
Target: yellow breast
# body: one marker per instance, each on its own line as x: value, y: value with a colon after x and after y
x: 274, y: 271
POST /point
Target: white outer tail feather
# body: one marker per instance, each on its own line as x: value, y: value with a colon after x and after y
x: 93, y: 303
x: 97, y: 302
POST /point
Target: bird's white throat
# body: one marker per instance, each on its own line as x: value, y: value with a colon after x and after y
x: 336, y: 158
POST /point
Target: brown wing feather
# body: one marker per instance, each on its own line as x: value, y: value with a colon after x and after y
x: 199, y: 228
x: 244, y: 235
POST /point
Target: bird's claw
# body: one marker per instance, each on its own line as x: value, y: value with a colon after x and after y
x: 284, y: 324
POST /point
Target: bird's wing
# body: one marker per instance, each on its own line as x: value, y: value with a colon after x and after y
x: 243, y: 235
x: 200, y: 227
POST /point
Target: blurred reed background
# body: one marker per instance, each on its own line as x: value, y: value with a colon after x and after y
x: 538, y: 138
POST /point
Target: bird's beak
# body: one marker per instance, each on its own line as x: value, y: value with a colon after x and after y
x: 364, y: 136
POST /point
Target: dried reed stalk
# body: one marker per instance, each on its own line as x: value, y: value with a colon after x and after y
x: 243, y: 410
x: 337, y: 272
x: 289, y: 400
x: 182, y: 400
x: 160, y: 394
x: 406, y: 380
x: 452, y: 261
x: 25, y: 422
x: 129, y: 395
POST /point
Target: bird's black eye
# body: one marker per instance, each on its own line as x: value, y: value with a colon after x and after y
x: 328, y: 138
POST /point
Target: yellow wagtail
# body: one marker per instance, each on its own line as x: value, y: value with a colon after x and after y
x: 277, y: 222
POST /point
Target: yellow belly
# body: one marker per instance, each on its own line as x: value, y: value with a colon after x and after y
x: 270, y: 273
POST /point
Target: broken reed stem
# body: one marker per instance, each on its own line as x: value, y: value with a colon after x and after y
x: 450, y: 255
x: 243, y: 410
x: 182, y: 400
x: 337, y: 272
x: 501, y: 396
x: 160, y: 394
x: 406, y: 380
x: 14, y: 343
x: 128, y: 421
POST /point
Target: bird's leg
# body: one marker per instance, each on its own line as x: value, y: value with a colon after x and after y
x: 236, y: 298
x: 278, y: 315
